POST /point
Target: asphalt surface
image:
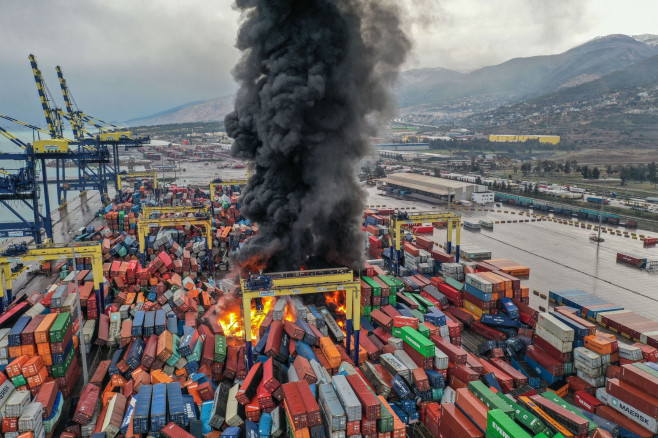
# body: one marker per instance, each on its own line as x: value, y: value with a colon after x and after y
x: 559, y: 256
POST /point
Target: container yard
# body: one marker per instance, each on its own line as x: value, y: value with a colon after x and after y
x: 281, y: 304
x: 444, y: 348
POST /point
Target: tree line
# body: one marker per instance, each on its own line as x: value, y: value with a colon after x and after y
x: 627, y: 173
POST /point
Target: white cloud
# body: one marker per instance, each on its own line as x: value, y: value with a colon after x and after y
x: 130, y: 58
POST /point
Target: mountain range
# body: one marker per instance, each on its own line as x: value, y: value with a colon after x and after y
x: 440, y: 95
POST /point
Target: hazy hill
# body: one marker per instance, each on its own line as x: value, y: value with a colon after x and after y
x: 456, y: 95
x: 619, y: 109
x: 519, y: 78
x: 201, y: 111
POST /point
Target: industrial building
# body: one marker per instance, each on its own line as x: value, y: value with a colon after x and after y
x: 502, y: 138
x: 429, y: 188
x: 402, y: 147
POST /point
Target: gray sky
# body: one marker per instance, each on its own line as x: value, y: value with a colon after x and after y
x: 131, y: 58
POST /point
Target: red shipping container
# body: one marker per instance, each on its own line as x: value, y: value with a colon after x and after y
x: 610, y: 414
x: 644, y: 402
x: 458, y: 422
x: 405, y: 321
x: 586, y: 401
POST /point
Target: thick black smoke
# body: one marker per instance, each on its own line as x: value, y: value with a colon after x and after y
x: 314, y: 78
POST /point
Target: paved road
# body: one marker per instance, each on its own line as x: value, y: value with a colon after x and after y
x: 80, y: 212
x: 559, y: 256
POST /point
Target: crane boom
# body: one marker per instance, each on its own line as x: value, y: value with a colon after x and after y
x: 52, y: 116
x: 28, y: 125
x: 74, y: 114
x: 12, y: 138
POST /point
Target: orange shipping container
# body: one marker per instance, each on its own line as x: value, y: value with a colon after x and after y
x: 330, y: 352
x: 598, y: 344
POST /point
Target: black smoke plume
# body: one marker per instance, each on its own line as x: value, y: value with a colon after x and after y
x: 315, y: 77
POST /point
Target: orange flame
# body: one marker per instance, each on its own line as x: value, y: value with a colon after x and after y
x: 338, y: 299
x: 253, y: 265
x: 232, y: 323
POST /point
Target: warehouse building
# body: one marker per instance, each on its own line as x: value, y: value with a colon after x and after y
x: 403, y: 147
x: 552, y: 139
x: 428, y: 188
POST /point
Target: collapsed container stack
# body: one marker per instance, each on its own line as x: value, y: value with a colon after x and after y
x: 376, y: 227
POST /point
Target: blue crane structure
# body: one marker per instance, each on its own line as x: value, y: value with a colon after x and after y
x: 23, y: 187
x: 91, y: 158
x: 108, y: 133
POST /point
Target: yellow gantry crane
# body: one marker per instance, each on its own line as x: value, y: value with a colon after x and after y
x: 145, y: 224
x: 399, y: 218
x: 148, y: 211
x: 42, y: 253
x: 305, y: 282
x: 214, y: 190
x: 144, y: 174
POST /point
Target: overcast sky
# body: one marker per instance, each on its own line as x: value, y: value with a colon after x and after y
x: 131, y: 58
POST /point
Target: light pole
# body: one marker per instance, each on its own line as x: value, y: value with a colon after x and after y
x: 81, y: 336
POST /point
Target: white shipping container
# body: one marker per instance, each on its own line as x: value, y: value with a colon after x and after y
x: 16, y: 403
x: 562, y: 346
x: 592, y: 372
x: 449, y: 395
x: 478, y: 283
x: 644, y: 336
x: 634, y: 414
x: 556, y: 327
x: 403, y: 357
x: 599, y: 316
x: 602, y: 395
x: 6, y: 389
x: 587, y: 356
x: 629, y: 352
x: 397, y: 343
x: 440, y: 360
x: 594, y: 381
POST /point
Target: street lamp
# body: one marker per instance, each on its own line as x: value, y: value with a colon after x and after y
x: 81, y: 336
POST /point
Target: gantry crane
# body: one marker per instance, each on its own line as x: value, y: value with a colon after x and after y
x: 88, y: 177
x: 145, y: 174
x: 108, y: 133
x: 195, y: 209
x: 306, y: 282
x: 399, y: 218
x: 145, y: 224
x: 61, y: 150
x: 23, y: 187
x: 41, y: 253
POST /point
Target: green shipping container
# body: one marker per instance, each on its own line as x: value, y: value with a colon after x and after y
x: 412, y: 297
x: 367, y: 310
x: 220, y: 349
x: 376, y: 288
x: 176, y: 356
x: 417, y: 341
x: 419, y: 315
x: 196, y: 354
x: 487, y: 396
x: 60, y: 370
x: 59, y: 327
x: 541, y: 435
x: 392, y: 300
x: 454, y: 283
x: 390, y: 283
x: 550, y: 395
x: 424, y: 301
x: 397, y: 332
x: 437, y: 394
x: 19, y: 380
x: 646, y: 369
x: 524, y: 417
x: 424, y: 331
x: 499, y: 425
